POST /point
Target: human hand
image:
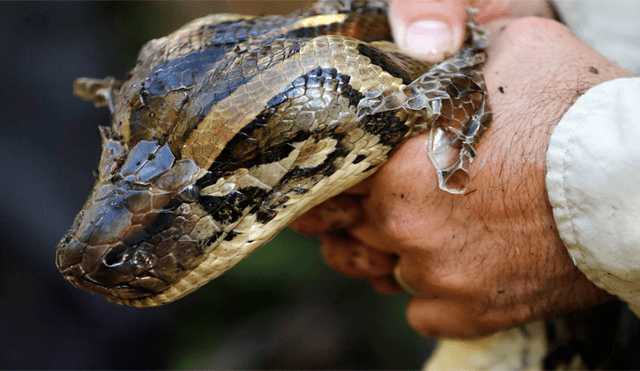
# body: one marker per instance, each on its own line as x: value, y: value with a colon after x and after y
x: 491, y: 258
x: 431, y: 30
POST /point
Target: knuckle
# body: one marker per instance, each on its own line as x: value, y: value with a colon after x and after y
x: 346, y: 257
x: 392, y: 228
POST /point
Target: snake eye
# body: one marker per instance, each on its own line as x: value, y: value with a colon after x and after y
x: 190, y: 193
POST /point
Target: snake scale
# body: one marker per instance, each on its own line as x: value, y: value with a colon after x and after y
x: 232, y: 126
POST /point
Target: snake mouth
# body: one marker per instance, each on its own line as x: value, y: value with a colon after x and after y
x: 98, y: 270
x: 114, y: 294
x: 119, y: 275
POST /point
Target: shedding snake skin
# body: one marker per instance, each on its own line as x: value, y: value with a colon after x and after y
x: 232, y: 126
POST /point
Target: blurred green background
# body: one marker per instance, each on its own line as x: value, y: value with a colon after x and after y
x: 281, y: 308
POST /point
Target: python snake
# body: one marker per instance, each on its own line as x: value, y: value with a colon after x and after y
x: 232, y: 126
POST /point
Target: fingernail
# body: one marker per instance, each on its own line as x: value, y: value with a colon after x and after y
x: 429, y: 38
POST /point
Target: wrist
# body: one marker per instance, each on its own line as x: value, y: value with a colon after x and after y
x: 592, y: 180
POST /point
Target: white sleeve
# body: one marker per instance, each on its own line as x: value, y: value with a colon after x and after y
x: 593, y: 183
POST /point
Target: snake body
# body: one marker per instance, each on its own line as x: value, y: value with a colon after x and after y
x: 232, y: 126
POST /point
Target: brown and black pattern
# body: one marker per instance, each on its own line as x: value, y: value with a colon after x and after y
x: 232, y: 126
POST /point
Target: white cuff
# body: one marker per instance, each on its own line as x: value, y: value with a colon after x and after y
x: 593, y: 182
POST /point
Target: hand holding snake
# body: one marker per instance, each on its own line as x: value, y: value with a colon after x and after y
x: 492, y: 258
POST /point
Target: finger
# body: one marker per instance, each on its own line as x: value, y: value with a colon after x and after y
x: 337, y: 213
x: 353, y: 258
x: 397, y: 275
x: 385, y: 285
x: 428, y: 30
x: 399, y: 192
x: 432, y: 30
x: 428, y: 275
x: 443, y: 318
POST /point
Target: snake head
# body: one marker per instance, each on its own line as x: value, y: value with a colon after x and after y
x: 128, y: 242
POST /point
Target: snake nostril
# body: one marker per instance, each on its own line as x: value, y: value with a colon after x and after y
x: 116, y: 256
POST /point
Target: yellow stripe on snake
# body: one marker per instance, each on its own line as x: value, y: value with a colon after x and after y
x: 232, y: 126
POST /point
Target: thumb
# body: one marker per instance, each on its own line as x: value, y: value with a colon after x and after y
x: 428, y: 30
x: 432, y: 30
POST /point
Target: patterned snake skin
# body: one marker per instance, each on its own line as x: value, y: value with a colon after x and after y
x: 232, y: 126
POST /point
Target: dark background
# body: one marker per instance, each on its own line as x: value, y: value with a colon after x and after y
x: 281, y: 308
